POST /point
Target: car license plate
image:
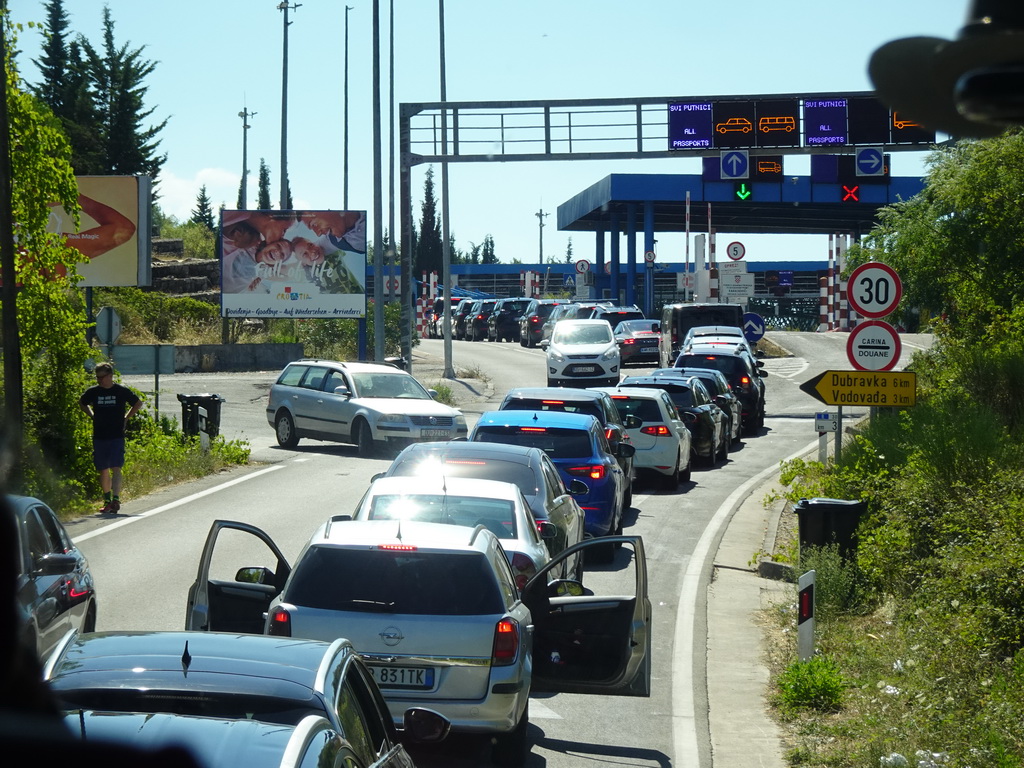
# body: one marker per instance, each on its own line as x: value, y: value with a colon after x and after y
x: 404, y: 677
x: 650, y: 349
x: 585, y: 368
x: 436, y: 432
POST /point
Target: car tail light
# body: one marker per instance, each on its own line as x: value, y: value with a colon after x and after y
x: 745, y: 382
x: 533, y: 429
x: 608, y: 433
x: 398, y: 547
x: 629, y: 341
x: 552, y: 402
x: 535, y: 319
x: 594, y: 472
x: 658, y: 430
x: 465, y: 461
x: 506, y: 643
x: 280, y: 623
x: 523, y: 568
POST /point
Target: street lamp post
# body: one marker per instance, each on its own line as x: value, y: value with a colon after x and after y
x: 243, y: 201
x: 285, y: 6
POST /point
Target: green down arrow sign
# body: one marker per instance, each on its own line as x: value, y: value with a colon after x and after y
x: 743, y: 192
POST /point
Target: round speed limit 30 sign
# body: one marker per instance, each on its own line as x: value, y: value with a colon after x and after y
x: 874, y: 289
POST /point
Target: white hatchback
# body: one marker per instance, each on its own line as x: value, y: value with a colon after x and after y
x: 582, y: 353
x: 662, y: 440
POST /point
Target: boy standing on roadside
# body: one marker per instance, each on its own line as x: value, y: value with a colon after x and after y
x: 105, y: 404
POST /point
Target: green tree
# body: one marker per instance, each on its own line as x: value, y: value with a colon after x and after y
x: 429, y: 257
x: 473, y: 256
x: 263, y: 192
x: 116, y: 77
x: 203, y: 212
x: 568, y: 252
x: 957, y: 245
x: 487, y: 252
x: 49, y: 337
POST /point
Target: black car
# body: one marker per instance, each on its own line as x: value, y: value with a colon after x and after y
x: 55, y: 589
x: 531, y: 324
x: 461, y: 317
x: 572, y: 400
x: 702, y: 416
x: 503, y: 322
x: 718, y: 387
x: 434, y: 317
x: 743, y: 372
x: 638, y: 341
x: 476, y: 319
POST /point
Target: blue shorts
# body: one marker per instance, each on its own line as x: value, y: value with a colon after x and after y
x: 107, y: 454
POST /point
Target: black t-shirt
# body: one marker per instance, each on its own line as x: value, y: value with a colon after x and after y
x: 108, y: 408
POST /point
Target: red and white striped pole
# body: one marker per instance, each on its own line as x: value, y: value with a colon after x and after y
x: 831, y: 283
x: 822, y: 304
x: 842, y: 245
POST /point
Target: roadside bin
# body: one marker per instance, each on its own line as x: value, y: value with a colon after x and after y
x: 398, y: 362
x: 822, y: 522
x: 192, y: 422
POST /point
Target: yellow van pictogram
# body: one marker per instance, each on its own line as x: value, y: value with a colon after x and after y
x: 783, y: 123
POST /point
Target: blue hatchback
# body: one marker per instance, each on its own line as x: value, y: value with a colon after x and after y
x: 577, y: 446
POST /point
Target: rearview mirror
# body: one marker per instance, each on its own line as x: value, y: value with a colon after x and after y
x: 255, y: 576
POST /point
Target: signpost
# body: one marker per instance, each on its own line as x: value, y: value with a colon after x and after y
x: 874, y: 289
x: 896, y: 389
x: 874, y: 346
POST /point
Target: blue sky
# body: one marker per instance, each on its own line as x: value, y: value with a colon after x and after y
x: 218, y: 57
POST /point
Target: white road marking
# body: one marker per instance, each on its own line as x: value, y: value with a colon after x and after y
x: 174, y: 504
x: 540, y: 711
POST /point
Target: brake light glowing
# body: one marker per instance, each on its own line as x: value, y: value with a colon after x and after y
x: 280, y: 623
x: 744, y: 381
x: 465, y: 461
x: 552, y: 402
x: 397, y: 547
x: 608, y: 434
x: 534, y: 319
x: 658, y: 430
x: 620, y: 397
x: 629, y: 341
x: 506, y: 643
x: 533, y: 429
x: 594, y: 472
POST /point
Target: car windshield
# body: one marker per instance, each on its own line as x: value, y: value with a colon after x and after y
x: 407, y: 580
x: 583, y: 334
x: 558, y: 443
x: 498, y: 515
x: 389, y: 385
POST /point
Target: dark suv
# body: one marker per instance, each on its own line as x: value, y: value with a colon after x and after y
x: 588, y: 401
x: 531, y: 324
x: 476, y: 320
x: 503, y: 323
x: 743, y: 372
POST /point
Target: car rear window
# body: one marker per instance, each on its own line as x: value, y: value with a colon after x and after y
x: 681, y: 395
x: 644, y: 409
x: 541, y: 404
x: 483, y: 469
x: 730, y: 366
x: 292, y: 375
x: 497, y: 514
x: 395, y: 581
x: 556, y: 442
x: 617, y: 317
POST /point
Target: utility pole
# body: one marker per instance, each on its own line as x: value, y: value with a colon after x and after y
x: 540, y: 216
x: 245, y: 114
x: 284, y: 6
x: 344, y: 152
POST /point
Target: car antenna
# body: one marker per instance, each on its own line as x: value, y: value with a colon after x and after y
x: 186, y: 660
x: 444, y: 497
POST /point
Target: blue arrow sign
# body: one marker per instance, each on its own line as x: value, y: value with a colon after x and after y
x: 735, y: 164
x: 753, y: 327
x: 870, y: 161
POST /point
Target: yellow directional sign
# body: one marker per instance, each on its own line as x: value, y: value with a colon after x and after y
x: 893, y: 389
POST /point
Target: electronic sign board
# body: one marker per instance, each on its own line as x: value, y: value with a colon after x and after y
x: 839, y: 121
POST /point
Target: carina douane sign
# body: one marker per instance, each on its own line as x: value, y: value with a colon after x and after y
x: 293, y: 264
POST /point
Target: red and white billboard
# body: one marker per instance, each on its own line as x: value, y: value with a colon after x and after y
x: 293, y: 264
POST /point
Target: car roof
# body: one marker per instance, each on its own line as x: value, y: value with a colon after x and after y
x: 537, y: 418
x: 651, y: 393
x: 583, y: 322
x: 728, y: 350
x: 660, y: 382
x: 355, y: 367
x: 451, y: 486
x: 565, y: 394
x: 246, y: 663
x: 372, y: 534
x: 715, y: 330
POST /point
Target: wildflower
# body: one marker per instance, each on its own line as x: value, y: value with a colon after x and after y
x: 894, y: 760
x: 897, y: 666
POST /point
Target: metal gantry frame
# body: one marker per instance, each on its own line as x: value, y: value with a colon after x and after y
x: 553, y: 130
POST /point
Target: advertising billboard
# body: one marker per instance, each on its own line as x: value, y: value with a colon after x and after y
x: 293, y: 264
x: 113, y: 231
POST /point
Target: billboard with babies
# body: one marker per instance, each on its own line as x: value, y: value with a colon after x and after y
x: 293, y: 264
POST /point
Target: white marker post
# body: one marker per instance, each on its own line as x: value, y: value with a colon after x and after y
x: 805, y: 616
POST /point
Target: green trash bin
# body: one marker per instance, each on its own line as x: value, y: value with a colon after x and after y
x: 822, y: 522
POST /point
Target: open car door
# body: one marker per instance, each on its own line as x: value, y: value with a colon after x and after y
x: 597, y: 638
x: 228, y: 598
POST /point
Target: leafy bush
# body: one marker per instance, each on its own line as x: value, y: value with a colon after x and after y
x: 198, y: 242
x: 150, y: 317
x: 839, y: 585
x: 813, y: 684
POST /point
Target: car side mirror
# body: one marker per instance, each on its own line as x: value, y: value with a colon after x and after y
x: 255, y: 576
x: 625, y: 450
x: 432, y: 393
x: 55, y: 564
x: 343, y: 391
x: 632, y: 421
x: 547, y: 529
x: 543, y: 343
x: 424, y: 726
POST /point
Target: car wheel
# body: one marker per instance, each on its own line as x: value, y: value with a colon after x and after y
x: 736, y: 433
x: 512, y: 748
x: 687, y: 473
x: 627, y: 500
x: 671, y: 482
x: 523, y: 341
x: 284, y: 428
x: 530, y: 342
x: 364, y: 440
x: 723, y: 451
